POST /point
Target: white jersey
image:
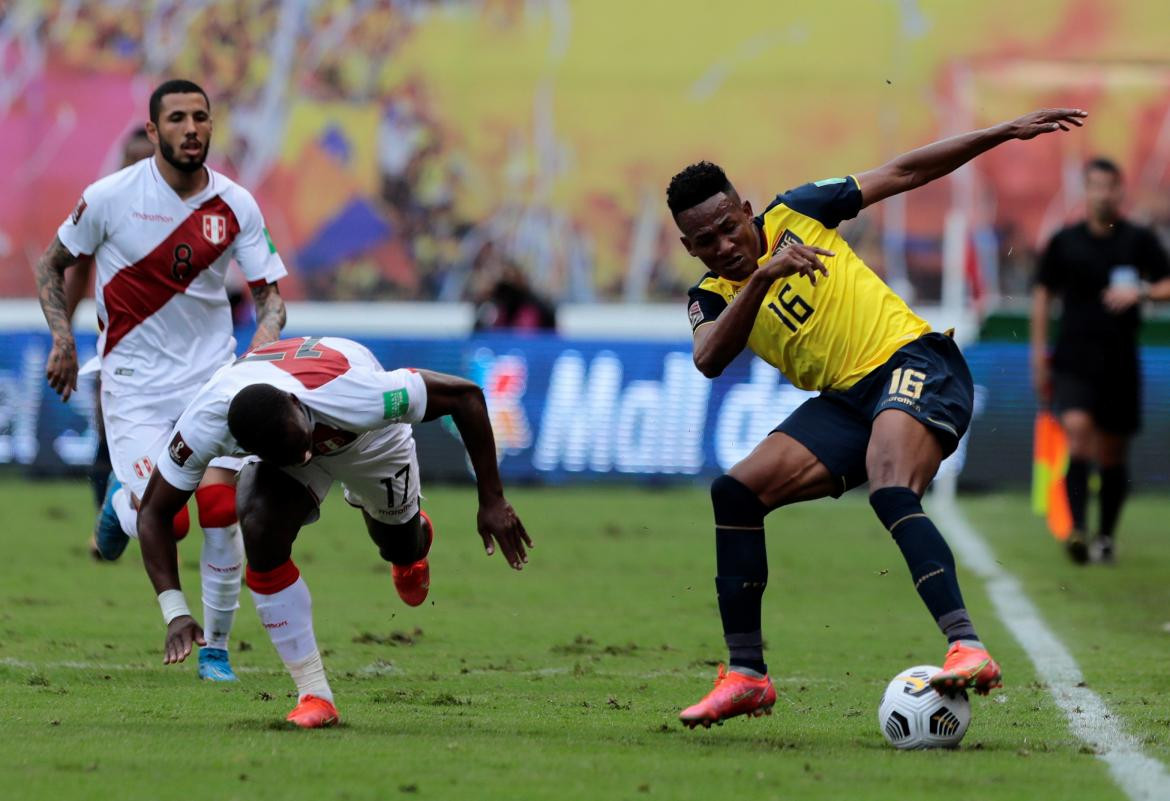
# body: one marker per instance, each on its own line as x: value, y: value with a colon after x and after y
x: 162, y: 309
x: 339, y: 382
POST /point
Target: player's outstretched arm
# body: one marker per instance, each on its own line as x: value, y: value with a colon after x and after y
x: 61, y: 366
x: 270, y: 314
x: 160, y: 504
x: 464, y: 401
x: 912, y: 170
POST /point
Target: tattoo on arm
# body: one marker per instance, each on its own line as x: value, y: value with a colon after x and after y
x: 50, y: 274
x: 270, y: 314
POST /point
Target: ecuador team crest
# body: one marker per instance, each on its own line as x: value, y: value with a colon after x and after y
x: 215, y: 228
x: 785, y: 239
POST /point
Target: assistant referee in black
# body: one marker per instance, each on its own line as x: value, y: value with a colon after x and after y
x: 1101, y: 269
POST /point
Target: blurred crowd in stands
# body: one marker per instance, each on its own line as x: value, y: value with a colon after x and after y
x: 409, y: 233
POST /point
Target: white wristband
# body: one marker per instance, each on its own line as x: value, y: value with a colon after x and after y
x: 173, y: 604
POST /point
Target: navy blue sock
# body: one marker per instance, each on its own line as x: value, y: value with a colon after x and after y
x: 1114, y: 488
x: 741, y: 560
x: 1076, y: 484
x: 932, y: 566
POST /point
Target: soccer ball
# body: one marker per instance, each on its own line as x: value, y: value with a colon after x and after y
x: 913, y: 715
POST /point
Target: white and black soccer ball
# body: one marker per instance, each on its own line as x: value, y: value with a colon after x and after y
x: 913, y: 715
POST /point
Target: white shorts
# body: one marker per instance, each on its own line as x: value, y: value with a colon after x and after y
x: 378, y: 472
x: 138, y: 429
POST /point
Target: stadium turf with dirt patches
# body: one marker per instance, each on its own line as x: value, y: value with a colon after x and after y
x: 563, y: 681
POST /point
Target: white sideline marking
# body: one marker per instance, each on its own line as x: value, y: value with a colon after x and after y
x: 1141, y: 777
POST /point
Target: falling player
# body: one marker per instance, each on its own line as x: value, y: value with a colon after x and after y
x: 895, y: 397
x: 316, y: 410
x: 161, y: 233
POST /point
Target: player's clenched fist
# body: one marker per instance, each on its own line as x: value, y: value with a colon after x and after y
x: 797, y: 259
x: 498, y: 520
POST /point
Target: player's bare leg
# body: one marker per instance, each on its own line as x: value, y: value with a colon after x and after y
x: 1113, y: 450
x: 902, y: 459
x: 405, y: 546
x: 1081, y: 433
x: 221, y: 566
x: 779, y: 471
x: 272, y: 508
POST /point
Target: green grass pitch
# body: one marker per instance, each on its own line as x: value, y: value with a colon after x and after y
x: 564, y: 681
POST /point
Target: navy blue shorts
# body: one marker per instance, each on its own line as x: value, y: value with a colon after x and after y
x: 927, y: 378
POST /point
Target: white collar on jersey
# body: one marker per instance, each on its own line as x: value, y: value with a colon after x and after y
x: 196, y: 200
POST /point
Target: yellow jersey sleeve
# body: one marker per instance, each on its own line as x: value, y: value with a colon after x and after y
x: 826, y: 336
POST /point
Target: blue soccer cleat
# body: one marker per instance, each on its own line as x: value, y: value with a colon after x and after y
x: 214, y: 666
x: 109, y: 537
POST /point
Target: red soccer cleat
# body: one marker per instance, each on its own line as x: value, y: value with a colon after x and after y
x: 413, y: 582
x: 967, y: 668
x: 734, y: 694
x: 314, y: 713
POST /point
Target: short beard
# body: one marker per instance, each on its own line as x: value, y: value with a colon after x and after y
x: 168, y: 153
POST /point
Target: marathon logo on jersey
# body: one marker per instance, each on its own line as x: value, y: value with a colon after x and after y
x: 784, y: 240
x: 78, y: 210
x: 214, y: 228
x: 695, y: 312
x: 179, y: 450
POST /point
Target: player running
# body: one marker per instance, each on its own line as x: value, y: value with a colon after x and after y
x: 316, y: 410
x: 895, y: 397
x: 161, y: 233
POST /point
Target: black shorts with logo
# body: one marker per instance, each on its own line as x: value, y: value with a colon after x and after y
x: 927, y: 378
x: 1114, y: 402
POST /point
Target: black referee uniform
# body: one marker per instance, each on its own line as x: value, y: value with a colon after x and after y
x: 1095, y: 365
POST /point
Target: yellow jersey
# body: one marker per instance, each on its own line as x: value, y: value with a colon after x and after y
x: 827, y: 336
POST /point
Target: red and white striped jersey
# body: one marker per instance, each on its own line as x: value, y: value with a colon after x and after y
x: 339, y: 382
x: 161, y: 261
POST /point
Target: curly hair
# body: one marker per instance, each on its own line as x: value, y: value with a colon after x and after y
x: 694, y: 184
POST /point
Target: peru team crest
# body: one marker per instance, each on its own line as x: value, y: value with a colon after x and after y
x: 214, y: 228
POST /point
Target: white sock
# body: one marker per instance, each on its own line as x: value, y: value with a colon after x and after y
x: 309, y: 674
x: 220, y: 565
x: 124, y: 509
x: 288, y: 616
